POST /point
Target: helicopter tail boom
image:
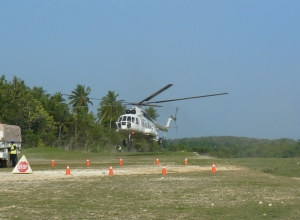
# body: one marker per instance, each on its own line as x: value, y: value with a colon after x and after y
x: 162, y: 127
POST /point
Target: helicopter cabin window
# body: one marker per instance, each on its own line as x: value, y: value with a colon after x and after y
x: 137, y: 121
x: 124, y: 120
x: 129, y: 118
x: 133, y: 121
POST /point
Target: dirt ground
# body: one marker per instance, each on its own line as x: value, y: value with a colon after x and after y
x: 119, y: 170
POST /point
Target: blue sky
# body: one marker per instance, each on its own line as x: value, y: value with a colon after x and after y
x: 250, y: 49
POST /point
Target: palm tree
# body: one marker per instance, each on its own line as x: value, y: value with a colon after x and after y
x: 38, y: 93
x: 58, y: 98
x: 79, y: 97
x: 152, y: 113
x: 47, y: 103
x: 110, y: 109
x: 61, y: 114
x: 79, y: 100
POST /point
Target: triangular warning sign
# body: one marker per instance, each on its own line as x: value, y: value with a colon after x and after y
x: 22, y: 166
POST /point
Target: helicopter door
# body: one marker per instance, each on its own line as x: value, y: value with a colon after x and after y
x: 124, y: 120
x: 137, y: 121
x: 143, y: 125
x: 128, y: 121
x: 119, y: 122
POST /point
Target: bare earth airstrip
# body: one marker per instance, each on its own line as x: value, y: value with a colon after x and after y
x: 120, y: 170
x: 138, y: 189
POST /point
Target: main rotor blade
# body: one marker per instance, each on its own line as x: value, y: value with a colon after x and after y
x: 142, y: 104
x: 155, y: 94
x: 146, y: 104
x: 194, y: 97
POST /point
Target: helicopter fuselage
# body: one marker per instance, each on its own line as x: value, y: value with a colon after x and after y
x: 137, y: 124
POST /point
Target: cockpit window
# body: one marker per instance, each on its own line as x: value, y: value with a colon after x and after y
x: 132, y: 119
x: 120, y: 119
x: 124, y: 118
x: 129, y: 118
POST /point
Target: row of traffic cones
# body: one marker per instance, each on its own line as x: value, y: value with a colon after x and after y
x: 213, y: 169
x: 87, y: 162
x: 68, y: 170
x: 111, y: 172
x: 120, y: 163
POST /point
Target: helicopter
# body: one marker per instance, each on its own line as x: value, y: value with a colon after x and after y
x: 136, y: 123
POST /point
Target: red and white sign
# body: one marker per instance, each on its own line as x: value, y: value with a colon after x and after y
x: 22, y: 166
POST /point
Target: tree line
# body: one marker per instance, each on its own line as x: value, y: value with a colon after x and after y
x: 238, y: 147
x: 63, y: 120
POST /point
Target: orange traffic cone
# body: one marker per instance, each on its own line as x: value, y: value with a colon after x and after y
x: 213, y: 169
x: 52, y: 163
x: 185, y: 161
x: 68, y: 172
x: 88, y: 162
x: 164, y: 170
x: 121, y: 162
x: 111, y: 172
x: 157, y: 162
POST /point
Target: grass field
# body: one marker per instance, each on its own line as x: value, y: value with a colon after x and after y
x: 240, y: 189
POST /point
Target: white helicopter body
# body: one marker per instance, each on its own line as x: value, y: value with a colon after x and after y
x: 137, y: 124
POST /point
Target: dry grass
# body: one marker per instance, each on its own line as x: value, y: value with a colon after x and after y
x: 242, y: 193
